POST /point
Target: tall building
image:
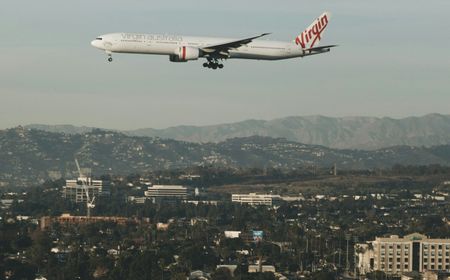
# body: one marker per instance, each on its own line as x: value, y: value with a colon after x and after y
x: 395, y: 255
x: 255, y: 199
x: 74, y: 190
x: 164, y: 192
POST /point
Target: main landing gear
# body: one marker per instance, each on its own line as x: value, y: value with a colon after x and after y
x: 213, y: 64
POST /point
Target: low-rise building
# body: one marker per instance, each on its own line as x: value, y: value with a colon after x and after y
x: 263, y: 268
x: 232, y: 234
x: 163, y: 192
x: 137, y: 199
x: 6, y: 203
x: 256, y: 199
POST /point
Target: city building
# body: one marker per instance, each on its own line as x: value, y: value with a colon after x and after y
x: 396, y: 255
x: 255, y: 199
x: 205, y: 202
x: 232, y: 234
x: 166, y: 192
x: 6, y: 203
x: 136, y: 199
x: 74, y: 189
x: 261, y: 268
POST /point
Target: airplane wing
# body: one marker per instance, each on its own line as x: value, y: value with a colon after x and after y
x: 224, y: 48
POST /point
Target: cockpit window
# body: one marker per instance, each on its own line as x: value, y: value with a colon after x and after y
x: 99, y: 38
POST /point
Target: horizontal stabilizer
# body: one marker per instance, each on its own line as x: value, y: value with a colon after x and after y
x: 321, y: 48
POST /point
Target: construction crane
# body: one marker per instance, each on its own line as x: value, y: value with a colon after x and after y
x: 89, y: 202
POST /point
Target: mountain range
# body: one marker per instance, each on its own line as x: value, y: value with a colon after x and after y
x: 366, y: 133
x: 30, y: 156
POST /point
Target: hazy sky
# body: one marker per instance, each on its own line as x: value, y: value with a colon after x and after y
x: 393, y: 60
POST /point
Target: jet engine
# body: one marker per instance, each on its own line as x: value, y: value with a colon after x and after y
x: 183, y: 54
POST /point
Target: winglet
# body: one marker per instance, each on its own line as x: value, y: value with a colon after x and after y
x: 262, y: 35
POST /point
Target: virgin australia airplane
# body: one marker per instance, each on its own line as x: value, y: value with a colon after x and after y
x: 215, y: 50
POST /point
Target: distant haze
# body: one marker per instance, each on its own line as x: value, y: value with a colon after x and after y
x: 365, y: 133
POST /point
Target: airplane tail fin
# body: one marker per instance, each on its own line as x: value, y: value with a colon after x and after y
x: 311, y: 37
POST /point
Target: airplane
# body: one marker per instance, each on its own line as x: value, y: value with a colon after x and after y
x: 215, y: 50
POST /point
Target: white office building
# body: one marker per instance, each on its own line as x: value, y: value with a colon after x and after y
x: 255, y: 199
x: 161, y: 192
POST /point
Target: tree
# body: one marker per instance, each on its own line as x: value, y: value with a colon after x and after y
x: 222, y: 273
x: 77, y: 265
x: 19, y: 270
x: 198, y: 256
x: 324, y: 275
x: 259, y: 276
x: 145, y: 266
x: 40, y: 249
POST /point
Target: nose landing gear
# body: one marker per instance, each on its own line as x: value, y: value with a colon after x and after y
x: 213, y: 64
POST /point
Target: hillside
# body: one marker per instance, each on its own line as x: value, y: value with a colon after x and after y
x: 366, y: 133
x: 31, y: 156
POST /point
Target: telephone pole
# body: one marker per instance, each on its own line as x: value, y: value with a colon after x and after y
x: 347, y: 263
x: 355, y: 239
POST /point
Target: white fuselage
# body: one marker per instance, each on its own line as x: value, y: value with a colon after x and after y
x: 169, y: 44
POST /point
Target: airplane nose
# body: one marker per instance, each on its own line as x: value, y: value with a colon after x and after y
x: 94, y: 43
x: 99, y: 44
